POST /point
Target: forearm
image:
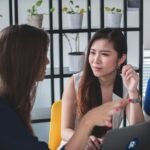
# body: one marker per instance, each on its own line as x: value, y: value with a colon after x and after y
x: 135, y: 113
x: 67, y: 134
x: 80, y: 137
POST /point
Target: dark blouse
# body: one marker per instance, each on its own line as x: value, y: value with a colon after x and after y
x: 13, y: 132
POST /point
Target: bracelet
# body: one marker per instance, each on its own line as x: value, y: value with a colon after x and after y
x: 135, y: 100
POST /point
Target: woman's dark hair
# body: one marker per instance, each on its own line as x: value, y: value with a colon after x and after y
x: 23, y: 50
x: 89, y: 93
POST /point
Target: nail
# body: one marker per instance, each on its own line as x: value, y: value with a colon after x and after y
x: 117, y: 109
x: 129, y: 100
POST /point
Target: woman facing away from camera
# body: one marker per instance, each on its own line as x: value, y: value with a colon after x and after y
x: 23, y: 60
x: 99, y: 83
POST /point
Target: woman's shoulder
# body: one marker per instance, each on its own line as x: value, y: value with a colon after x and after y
x: 4, y: 106
x: 76, y: 78
x: 77, y: 75
x: 12, y: 127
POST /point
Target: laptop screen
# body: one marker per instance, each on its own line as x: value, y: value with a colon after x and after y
x: 135, y: 137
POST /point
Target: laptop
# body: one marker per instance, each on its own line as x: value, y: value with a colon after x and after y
x: 136, y: 137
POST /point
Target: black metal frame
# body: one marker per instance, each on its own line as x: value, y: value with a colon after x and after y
x: 62, y: 74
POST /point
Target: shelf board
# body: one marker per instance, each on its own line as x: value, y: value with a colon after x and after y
x: 57, y: 74
x: 88, y: 30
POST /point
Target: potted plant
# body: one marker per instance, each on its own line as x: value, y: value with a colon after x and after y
x: 34, y: 18
x: 113, y: 16
x: 75, y: 14
x: 76, y: 57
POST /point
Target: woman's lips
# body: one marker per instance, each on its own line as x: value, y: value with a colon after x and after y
x: 97, y: 68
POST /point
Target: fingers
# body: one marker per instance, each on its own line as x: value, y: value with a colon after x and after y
x: 108, y: 123
x: 126, y: 68
x: 90, y: 145
x: 116, y: 106
x: 100, y: 140
x: 96, y: 142
x: 129, y: 72
x: 107, y: 110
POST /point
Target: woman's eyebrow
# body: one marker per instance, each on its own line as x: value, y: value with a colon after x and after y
x: 105, y: 50
x: 102, y: 50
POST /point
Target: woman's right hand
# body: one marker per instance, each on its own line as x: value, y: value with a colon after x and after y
x: 94, y: 143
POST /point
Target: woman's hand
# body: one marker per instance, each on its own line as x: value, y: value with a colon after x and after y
x: 93, y: 143
x: 102, y: 115
x: 130, y: 78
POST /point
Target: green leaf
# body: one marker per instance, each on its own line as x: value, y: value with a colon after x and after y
x: 82, y: 11
x: 29, y: 10
x: 107, y: 9
x: 64, y: 9
x: 39, y: 3
x: 71, y: 2
x: 113, y: 9
x: 77, y: 6
x: 52, y: 9
x: 70, y: 12
x: 118, y: 10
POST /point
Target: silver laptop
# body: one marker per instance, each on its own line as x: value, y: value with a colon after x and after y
x: 136, y: 137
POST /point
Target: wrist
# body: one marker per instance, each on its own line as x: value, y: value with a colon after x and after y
x: 133, y: 94
x: 134, y: 100
x: 87, y: 123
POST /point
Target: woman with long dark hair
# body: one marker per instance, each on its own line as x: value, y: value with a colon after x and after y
x: 99, y: 83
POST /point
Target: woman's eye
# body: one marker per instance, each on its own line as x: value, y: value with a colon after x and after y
x: 105, y: 54
x: 92, y: 52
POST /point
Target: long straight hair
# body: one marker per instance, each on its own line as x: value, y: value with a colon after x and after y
x: 89, y: 93
x: 23, y: 50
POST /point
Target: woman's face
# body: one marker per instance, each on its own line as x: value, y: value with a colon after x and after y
x: 103, y: 59
x: 42, y: 73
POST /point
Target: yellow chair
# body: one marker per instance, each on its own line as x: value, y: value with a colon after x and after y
x: 55, y: 126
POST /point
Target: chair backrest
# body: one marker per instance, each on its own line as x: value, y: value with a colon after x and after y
x: 55, y: 126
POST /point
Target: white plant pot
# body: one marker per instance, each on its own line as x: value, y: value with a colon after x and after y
x: 75, y: 21
x: 35, y: 20
x: 76, y: 61
x: 113, y: 20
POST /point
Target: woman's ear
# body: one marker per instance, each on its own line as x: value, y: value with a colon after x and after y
x: 122, y: 59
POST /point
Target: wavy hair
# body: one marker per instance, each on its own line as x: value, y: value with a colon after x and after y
x: 23, y: 49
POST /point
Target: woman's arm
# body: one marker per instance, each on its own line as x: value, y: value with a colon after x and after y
x: 134, y: 110
x: 91, y: 119
x: 69, y: 114
x: 68, y: 110
x: 131, y: 80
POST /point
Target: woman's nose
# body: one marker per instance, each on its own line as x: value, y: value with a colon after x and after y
x: 97, y: 58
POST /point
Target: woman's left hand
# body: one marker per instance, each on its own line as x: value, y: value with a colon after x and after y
x: 130, y: 78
